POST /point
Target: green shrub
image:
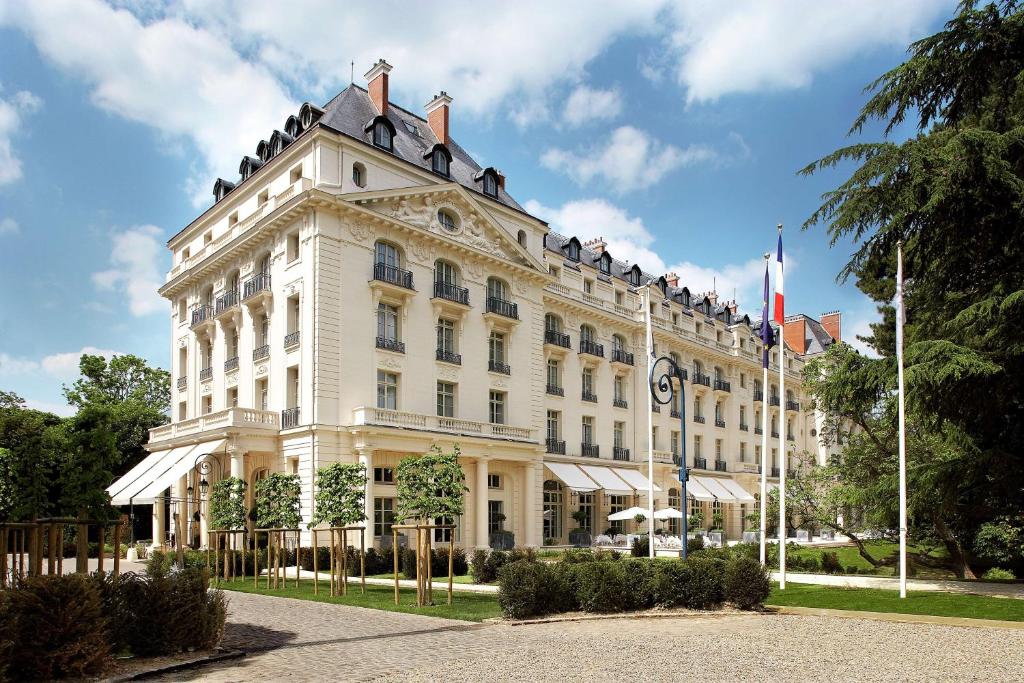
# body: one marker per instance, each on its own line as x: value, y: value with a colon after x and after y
x: 998, y: 574
x: 601, y: 587
x: 58, y: 628
x: 520, y: 589
x: 523, y: 553
x: 830, y: 563
x: 439, y: 562
x: 746, y: 583
x: 639, y: 577
x: 577, y: 555
x: 694, y: 544
x: 487, y: 563
x: 641, y: 546
x: 668, y: 585
x: 7, y: 631
x: 703, y: 586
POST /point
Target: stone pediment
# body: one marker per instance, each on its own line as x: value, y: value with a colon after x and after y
x: 472, y: 227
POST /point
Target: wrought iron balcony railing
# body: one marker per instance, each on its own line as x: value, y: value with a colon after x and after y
x: 205, y: 374
x: 758, y: 395
x: 722, y: 385
x: 620, y: 453
x: 557, y: 338
x: 182, y: 382
x: 720, y: 466
x: 556, y: 446
x: 620, y: 403
x: 392, y: 275
x: 260, y: 282
x: 201, y: 314
x: 588, y: 396
x: 226, y: 302
x: 591, y: 347
x: 719, y: 423
x: 497, y: 366
x: 622, y: 356
x: 449, y: 357
x: 451, y: 292
x: 590, y: 450
x: 389, y: 344
x: 701, y: 378
x: 700, y: 463
x: 699, y: 419
x: 793, y: 405
x: 261, y: 352
x: 291, y: 339
x: 502, y: 307
x: 231, y: 364
x: 289, y: 418
x: 555, y: 390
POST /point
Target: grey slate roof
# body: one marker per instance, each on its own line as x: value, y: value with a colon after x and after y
x: 352, y: 109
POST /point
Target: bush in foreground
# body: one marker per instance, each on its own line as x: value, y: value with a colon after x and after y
x: 746, y: 583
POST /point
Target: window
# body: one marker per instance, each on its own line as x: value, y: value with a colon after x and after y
x: 207, y: 404
x: 185, y: 253
x: 743, y: 379
x: 618, y: 388
x: 605, y: 264
x: 588, y: 381
x: 439, y: 162
x: 497, y: 407
x: 698, y: 443
x: 496, y: 348
x: 263, y: 330
x: 263, y: 265
x: 554, y: 423
x: 383, y: 516
x: 743, y: 451
x: 262, y: 198
x: 718, y: 411
x: 232, y: 220
x: 552, y: 509
x: 207, y: 237
x: 446, y: 219
x: 387, y: 254
x: 383, y: 475
x: 620, y: 298
x: 495, y: 515
x: 586, y: 507
x: 445, y: 399
x: 382, y: 135
x: 587, y: 333
x: 718, y: 449
x: 263, y: 394
x: 654, y: 438
x: 634, y: 276
x: 293, y: 246
x: 490, y: 183
x: 445, y: 273
x: 554, y: 271
x: 617, y: 430
x: 588, y: 286
x: 743, y: 416
x: 495, y: 288
x: 588, y: 429
x: 387, y: 390
x: 295, y: 174
x: 554, y: 373
x: 445, y: 338
x: 494, y: 481
x: 183, y: 410
x: 521, y: 238
x: 552, y: 323
x: 387, y: 322
x: 294, y: 313
x: 182, y: 309
x: 359, y: 175
x: 674, y: 442
x: 617, y: 504
x: 292, y: 387
x: 573, y: 250
x: 232, y: 398
x: 698, y: 407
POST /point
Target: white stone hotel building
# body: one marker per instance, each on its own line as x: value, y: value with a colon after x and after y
x: 366, y: 290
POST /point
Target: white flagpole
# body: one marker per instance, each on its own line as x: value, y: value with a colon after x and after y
x: 764, y: 438
x: 902, y: 417
x: 782, y: 437
x: 650, y: 426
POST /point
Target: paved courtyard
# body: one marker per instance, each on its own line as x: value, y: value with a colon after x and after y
x: 308, y: 641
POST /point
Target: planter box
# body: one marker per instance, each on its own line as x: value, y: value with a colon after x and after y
x: 751, y: 536
x: 716, y: 538
x: 803, y: 535
x: 580, y: 538
x: 828, y: 535
x: 502, y: 540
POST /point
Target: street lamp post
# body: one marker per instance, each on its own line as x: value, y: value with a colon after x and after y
x: 663, y: 391
x: 203, y: 468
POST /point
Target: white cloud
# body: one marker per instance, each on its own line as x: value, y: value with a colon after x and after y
x: 586, y: 104
x: 12, y: 114
x: 9, y: 226
x: 629, y: 160
x: 136, y: 257
x: 59, y: 409
x: 12, y: 365
x: 750, y: 46
x: 65, y: 365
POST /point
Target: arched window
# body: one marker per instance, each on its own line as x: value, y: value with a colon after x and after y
x: 446, y: 273
x: 587, y: 333
x: 573, y: 250
x: 490, y: 183
x: 387, y: 254
x: 308, y: 114
x: 263, y: 265
x: 439, y: 162
x: 605, y: 263
x: 698, y: 368
x: 719, y: 374
x: 382, y: 133
x: 618, y: 342
x: 521, y: 238
x: 446, y: 219
x: 634, y: 275
x: 263, y: 150
x: 663, y: 284
x: 496, y: 289
x: 359, y: 174
x: 552, y: 323
x: 233, y: 281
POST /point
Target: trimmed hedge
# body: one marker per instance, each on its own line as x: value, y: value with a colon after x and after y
x: 588, y: 582
x: 485, y: 564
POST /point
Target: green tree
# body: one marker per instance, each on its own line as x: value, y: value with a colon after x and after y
x: 431, y: 486
x: 277, y: 501
x: 953, y: 194
x: 86, y: 463
x: 33, y: 442
x: 227, y: 504
x: 138, y: 396
x: 340, y: 494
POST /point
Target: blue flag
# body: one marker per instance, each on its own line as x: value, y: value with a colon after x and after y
x: 767, y: 335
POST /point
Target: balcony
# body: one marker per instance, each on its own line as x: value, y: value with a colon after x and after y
x: 620, y: 403
x: 790, y: 437
x: 758, y: 395
x: 699, y: 419
x: 702, y: 379
x: 588, y: 396
x: 555, y: 446
x: 449, y: 357
x: 206, y: 374
x: 226, y: 303
x: 366, y: 415
x: 744, y: 428
x: 556, y: 338
x: 675, y: 414
x: 700, y: 464
x: 775, y: 433
x: 591, y: 348
x: 793, y: 405
x: 719, y: 423
x: 256, y: 285
x: 775, y: 472
x: 590, y: 450
x: 231, y: 364
x: 621, y: 356
x: 291, y: 339
x: 182, y: 383
x: 758, y: 430
x: 722, y: 385
x: 505, y: 309
x: 555, y: 390
x: 499, y: 367
x: 289, y: 418
x: 389, y: 344
x: 392, y: 275
x: 451, y: 292
x: 261, y: 352
x: 774, y: 400
x: 202, y: 314
x: 720, y: 466
x: 620, y: 453
x: 655, y: 408
x: 246, y: 419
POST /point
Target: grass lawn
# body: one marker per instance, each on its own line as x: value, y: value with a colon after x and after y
x: 850, y: 557
x: 917, y: 602
x: 467, y: 606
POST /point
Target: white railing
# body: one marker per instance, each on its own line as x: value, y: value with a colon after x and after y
x: 222, y: 419
x: 660, y: 456
x: 366, y: 415
x: 747, y: 467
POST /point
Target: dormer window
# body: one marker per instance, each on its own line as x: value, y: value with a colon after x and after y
x: 572, y: 250
x: 490, y: 185
x: 382, y: 135
x: 605, y: 264
x: 634, y: 276
x: 440, y: 160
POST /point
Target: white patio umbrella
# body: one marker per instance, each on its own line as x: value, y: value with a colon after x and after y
x: 627, y: 514
x: 668, y: 513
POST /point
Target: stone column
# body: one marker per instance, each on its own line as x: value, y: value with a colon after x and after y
x: 366, y: 460
x: 480, y: 503
x: 159, y: 521
x: 530, y: 493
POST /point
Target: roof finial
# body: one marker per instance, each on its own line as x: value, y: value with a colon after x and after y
x: 352, y: 72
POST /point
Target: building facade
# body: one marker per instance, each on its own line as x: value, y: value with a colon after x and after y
x: 366, y: 290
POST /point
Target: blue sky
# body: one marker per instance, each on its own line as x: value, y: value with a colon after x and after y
x: 673, y: 130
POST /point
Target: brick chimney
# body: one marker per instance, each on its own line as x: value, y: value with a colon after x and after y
x: 672, y: 279
x: 832, y: 322
x: 597, y: 244
x: 796, y: 333
x: 437, y: 116
x: 377, y: 85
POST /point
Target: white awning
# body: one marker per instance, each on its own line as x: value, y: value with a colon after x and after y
x: 635, y: 479
x: 716, y: 489
x: 169, y: 471
x: 695, y: 490
x: 737, y: 491
x: 572, y: 477
x: 127, y: 488
x: 607, y: 480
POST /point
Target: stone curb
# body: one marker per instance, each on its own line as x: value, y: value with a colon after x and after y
x: 899, y: 617
x: 219, y: 656
x: 689, y: 614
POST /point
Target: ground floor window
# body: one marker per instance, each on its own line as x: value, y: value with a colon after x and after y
x: 617, y: 504
x: 445, y: 535
x: 587, y: 508
x: 383, y: 516
x: 553, y: 500
x: 495, y: 515
x: 674, y: 525
x: 717, y: 510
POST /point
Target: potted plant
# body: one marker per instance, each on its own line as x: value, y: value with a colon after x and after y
x: 579, y: 536
x: 717, y: 533
x: 695, y: 523
x: 752, y: 534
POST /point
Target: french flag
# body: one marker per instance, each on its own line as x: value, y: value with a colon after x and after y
x: 780, y: 313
